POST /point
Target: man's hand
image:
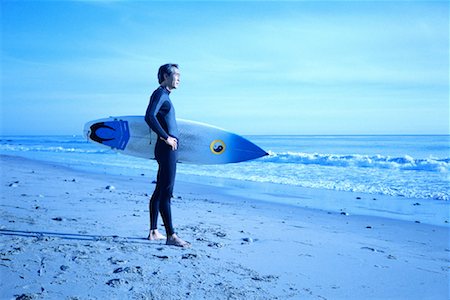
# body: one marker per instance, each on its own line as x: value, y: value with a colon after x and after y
x: 172, y: 142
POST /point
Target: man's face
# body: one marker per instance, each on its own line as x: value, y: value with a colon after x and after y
x: 174, y: 79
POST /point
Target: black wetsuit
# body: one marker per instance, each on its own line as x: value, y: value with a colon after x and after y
x: 160, y: 116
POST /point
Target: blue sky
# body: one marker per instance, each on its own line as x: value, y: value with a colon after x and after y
x: 260, y: 67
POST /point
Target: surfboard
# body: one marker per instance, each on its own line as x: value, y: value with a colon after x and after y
x: 199, y: 143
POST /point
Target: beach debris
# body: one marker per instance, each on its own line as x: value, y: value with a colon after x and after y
x: 215, y: 245
x: 110, y: 188
x: 25, y: 297
x: 369, y: 227
x: 381, y: 267
x: 189, y: 256
x: 372, y: 249
x: 59, y: 219
x: 116, y: 282
x: 418, y: 222
x: 416, y: 204
x: 41, y: 267
x: 116, y: 261
x: 118, y: 270
x: 136, y: 269
x: 248, y: 240
x: 220, y: 234
x: 14, y: 184
x: 358, y: 198
x: 344, y: 213
x: 64, y: 268
x: 267, y: 278
x: 80, y: 255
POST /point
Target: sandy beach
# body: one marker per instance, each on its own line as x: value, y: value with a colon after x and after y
x: 68, y: 234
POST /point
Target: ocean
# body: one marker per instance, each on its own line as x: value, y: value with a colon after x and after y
x: 412, y: 166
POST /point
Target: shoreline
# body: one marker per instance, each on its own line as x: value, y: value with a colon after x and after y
x: 423, y: 210
x: 419, y: 210
x: 61, y: 227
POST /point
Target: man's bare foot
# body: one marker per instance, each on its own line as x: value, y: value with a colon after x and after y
x: 155, y: 235
x: 174, y: 240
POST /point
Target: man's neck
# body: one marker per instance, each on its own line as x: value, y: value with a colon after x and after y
x: 167, y: 88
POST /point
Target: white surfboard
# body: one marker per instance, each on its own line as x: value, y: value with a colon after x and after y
x: 198, y: 143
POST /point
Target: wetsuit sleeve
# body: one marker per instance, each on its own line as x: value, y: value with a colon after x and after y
x: 151, y: 119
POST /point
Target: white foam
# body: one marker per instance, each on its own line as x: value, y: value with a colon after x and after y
x: 364, y: 161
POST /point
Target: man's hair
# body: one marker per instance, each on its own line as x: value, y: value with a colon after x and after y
x: 165, y: 70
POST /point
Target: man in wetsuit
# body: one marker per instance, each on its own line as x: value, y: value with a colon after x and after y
x: 160, y: 116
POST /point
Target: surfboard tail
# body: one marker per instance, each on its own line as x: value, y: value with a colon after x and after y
x: 114, y: 134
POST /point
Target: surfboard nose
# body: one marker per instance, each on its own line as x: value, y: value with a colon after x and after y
x: 244, y: 149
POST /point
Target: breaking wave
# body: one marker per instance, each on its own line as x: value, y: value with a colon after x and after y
x: 362, y: 161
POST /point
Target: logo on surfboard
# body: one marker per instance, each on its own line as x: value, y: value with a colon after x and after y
x: 217, y: 147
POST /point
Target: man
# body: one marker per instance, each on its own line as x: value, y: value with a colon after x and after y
x: 160, y: 116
